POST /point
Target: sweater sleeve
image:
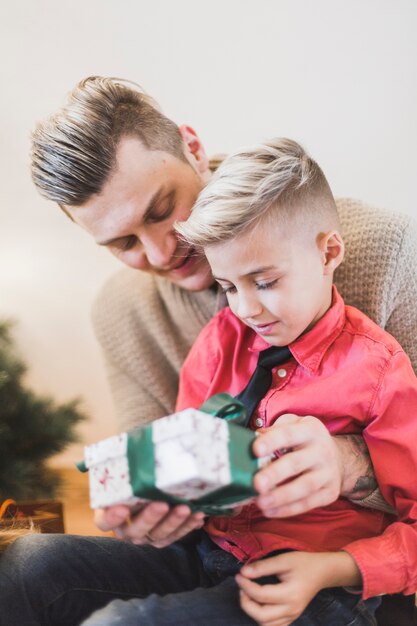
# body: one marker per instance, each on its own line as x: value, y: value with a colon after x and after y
x: 145, y: 335
x: 388, y: 562
x: 199, y: 367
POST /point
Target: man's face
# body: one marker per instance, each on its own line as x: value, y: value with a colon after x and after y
x: 278, y: 285
x: 133, y: 215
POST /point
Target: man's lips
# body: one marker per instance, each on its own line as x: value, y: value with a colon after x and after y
x: 183, y: 262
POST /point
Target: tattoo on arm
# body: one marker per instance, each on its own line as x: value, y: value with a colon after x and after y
x: 359, y: 482
x: 360, y: 479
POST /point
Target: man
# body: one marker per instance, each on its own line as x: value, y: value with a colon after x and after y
x: 125, y: 173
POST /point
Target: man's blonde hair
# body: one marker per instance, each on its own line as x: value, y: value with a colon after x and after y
x: 74, y: 151
x: 275, y: 178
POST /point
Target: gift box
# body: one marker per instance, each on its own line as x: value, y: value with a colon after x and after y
x: 188, y: 457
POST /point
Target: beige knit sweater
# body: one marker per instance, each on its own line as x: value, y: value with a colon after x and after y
x: 146, y: 325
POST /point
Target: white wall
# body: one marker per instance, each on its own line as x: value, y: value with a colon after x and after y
x: 338, y: 76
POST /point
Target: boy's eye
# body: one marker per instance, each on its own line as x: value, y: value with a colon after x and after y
x: 268, y: 285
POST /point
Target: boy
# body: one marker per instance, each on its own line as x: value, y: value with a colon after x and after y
x: 269, y: 227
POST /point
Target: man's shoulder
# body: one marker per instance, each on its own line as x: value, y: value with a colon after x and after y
x: 381, y: 249
x: 126, y: 288
x: 145, y: 303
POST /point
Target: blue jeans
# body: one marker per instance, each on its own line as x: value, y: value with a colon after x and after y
x: 60, y: 580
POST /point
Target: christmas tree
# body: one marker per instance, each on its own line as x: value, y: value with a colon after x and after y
x: 32, y: 428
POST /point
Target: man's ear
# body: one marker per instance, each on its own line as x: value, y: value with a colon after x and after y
x: 194, y: 150
x: 332, y: 248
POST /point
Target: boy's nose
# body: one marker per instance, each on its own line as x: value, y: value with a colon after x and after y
x: 248, y: 307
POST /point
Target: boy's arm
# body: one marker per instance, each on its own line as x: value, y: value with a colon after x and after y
x: 388, y: 562
x: 300, y: 576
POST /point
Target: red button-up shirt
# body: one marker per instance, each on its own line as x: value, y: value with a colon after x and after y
x: 355, y: 378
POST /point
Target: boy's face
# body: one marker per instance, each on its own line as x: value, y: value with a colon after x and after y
x: 278, y: 285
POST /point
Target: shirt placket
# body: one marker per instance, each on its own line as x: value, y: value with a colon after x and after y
x: 281, y: 375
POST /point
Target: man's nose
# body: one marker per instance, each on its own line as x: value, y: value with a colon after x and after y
x: 159, y: 249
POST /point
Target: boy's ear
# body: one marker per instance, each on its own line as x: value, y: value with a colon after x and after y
x: 332, y: 248
x: 194, y: 149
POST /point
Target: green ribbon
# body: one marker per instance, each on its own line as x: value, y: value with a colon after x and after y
x: 226, y: 406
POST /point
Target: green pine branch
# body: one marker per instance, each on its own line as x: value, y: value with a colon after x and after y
x: 32, y: 429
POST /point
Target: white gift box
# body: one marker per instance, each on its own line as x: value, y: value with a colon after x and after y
x: 191, y: 459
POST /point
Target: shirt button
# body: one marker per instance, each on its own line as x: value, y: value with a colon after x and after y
x: 282, y: 372
x: 259, y: 422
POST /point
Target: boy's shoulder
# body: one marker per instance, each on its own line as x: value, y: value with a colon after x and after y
x: 359, y: 324
x: 226, y: 319
x: 227, y: 329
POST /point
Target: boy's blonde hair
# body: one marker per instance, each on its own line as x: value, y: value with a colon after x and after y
x: 74, y: 151
x: 276, y: 178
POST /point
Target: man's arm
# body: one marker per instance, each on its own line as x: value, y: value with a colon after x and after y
x: 359, y: 483
x: 145, y: 329
x: 358, y: 477
x: 313, y: 469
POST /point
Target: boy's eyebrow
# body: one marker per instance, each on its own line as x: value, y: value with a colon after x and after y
x: 156, y: 197
x: 258, y: 270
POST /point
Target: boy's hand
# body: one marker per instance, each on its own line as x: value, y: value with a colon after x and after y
x: 156, y: 523
x: 308, y: 475
x: 300, y: 576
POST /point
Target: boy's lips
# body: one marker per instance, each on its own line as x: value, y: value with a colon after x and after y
x: 265, y: 329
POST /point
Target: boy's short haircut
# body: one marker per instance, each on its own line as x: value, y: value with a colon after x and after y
x: 74, y: 151
x: 274, y: 179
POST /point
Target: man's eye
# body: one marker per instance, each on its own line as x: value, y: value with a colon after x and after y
x: 127, y: 243
x: 161, y: 213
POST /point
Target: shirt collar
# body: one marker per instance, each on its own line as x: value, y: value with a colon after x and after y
x: 310, y: 348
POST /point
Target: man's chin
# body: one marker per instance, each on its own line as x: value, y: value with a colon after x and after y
x: 196, y: 282
x: 194, y: 277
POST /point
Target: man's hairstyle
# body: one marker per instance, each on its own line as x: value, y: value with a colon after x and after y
x: 74, y: 151
x: 274, y: 179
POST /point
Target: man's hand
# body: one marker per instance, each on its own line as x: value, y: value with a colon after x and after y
x: 156, y: 523
x: 307, y: 475
x: 300, y: 576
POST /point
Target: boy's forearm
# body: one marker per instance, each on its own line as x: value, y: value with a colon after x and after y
x: 340, y: 570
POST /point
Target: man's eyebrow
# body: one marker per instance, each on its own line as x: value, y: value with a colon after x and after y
x: 258, y: 270
x: 156, y: 197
